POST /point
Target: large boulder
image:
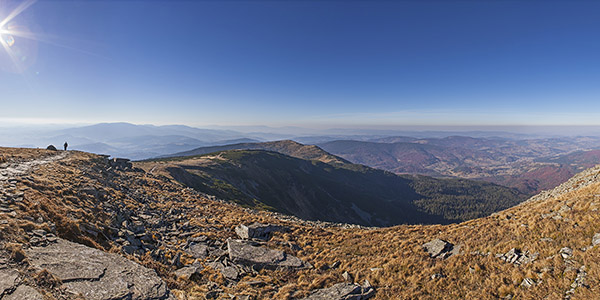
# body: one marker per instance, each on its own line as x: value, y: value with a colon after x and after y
x: 121, y: 163
x: 440, y: 249
x: 342, y: 291
x: 97, y: 275
x: 248, y: 253
x: 257, y: 231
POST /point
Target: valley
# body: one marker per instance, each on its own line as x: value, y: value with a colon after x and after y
x: 530, y: 165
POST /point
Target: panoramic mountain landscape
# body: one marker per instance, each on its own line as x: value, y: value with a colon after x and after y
x: 299, y: 150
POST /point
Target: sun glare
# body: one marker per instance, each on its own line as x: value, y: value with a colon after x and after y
x: 19, y: 53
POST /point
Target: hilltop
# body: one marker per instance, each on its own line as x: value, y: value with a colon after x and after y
x: 287, y: 147
x: 321, y: 187
x: 546, y: 247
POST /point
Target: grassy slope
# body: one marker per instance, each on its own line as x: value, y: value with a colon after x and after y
x: 390, y: 258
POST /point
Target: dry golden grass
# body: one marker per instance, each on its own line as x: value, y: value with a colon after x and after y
x: 391, y: 259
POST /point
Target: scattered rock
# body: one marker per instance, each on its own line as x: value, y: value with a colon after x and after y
x: 342, y: 291
x: 228, y: 272
x: 579, y: 282
x: 257, y: 231
x: 347, y: 277
x: 95, y: 274
x: 527, y: 283
x: 197, y: 250
x: 440, y: 248
x: 516, y: 257
x: 247, y: 253
x: 596, y: 239
x: 566, y: 252
x: 189, y: 273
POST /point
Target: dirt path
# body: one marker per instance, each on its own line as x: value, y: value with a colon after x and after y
x: 10, y: 170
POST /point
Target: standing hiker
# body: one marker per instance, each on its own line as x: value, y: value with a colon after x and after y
x: 66, y: 145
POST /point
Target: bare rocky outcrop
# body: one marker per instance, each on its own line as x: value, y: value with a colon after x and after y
x: 97, y: 275
x: 121, y: 163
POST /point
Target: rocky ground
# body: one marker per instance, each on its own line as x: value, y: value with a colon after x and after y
x: 79, y: 226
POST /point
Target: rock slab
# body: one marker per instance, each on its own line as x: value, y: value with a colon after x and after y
x: 342, y: 291
x: 24, y: 292
x: 7, y: 280
x: 440, y: 249
x: 97, y: 275
x: 248, y: 253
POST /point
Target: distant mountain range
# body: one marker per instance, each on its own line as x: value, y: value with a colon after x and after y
x: 147, y: 141
x: 530, y: 165
x: 306, y: 181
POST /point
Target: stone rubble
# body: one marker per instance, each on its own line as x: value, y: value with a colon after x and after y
x: 516, y: 257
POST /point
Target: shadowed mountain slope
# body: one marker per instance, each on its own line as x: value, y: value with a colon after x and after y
x: 339, y: 192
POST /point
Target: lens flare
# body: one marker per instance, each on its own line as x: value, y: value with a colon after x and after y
x: 20, y: 49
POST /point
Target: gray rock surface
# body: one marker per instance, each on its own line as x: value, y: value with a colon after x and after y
x: 247, y: 253
x: 97, y: 275
x: 596, y: 239
x: 566, y: 252
x: 342, y: 291
x: 189, y: 272
x: 440, y: 249
x: 24, y: 292
x: 8, y: 279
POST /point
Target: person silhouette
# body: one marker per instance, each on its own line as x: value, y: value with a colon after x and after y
x: 66, y: 145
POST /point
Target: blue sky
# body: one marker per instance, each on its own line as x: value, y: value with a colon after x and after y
x: 307, y: 63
